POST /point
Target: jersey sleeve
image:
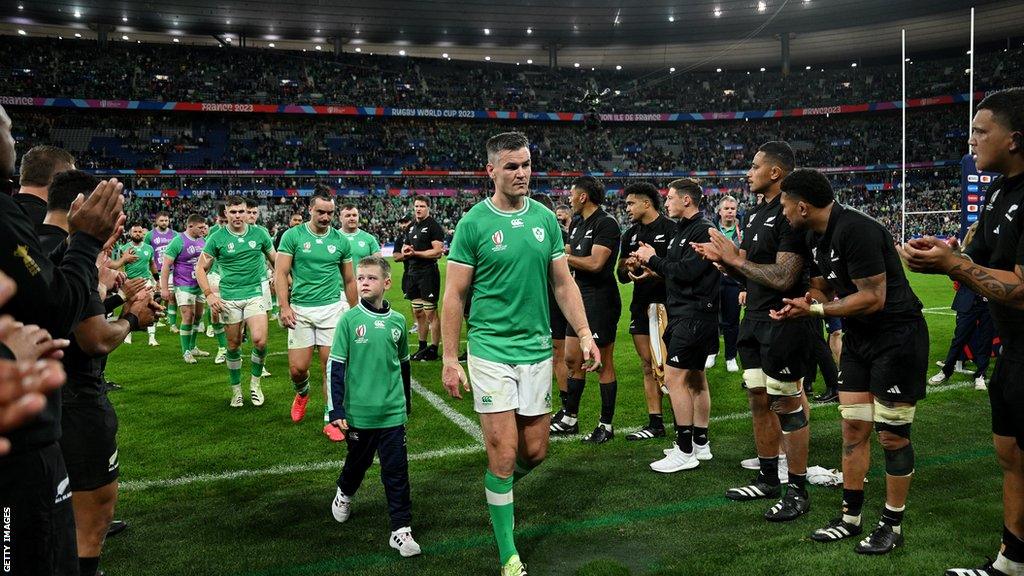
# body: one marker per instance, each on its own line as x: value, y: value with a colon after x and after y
x: 607, y: 234
x: 978, y: 250
x: 266, y: 241
x: 403, y: 340
x: 790, y: 240
x: 436, y: 232
x: 287, y: 245
x: 555, y: 237
x: 346, y: 249
x: 174, y: 248
x: 339, y: 348
x: 463, y: 245
x: 624, y: 244
x: 374, y: 245
x: 863, y: 251
x: 148, y: 238
x: 212, y: 245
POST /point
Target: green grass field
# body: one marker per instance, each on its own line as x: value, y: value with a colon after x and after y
x: 212, y: 490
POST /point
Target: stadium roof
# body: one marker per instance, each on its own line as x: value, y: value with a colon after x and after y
x: 595, y: 33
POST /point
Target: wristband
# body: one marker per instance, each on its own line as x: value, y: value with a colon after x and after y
x: 818, y: 309
x: 133, y: 321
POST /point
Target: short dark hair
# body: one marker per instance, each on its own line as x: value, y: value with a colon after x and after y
x: 195, y: 219
x: 321, y: 195
x: 510, y: 141
x: 233, y: 201
x: 349, y: 206
x: 222, y: 208
x: 647, y: 190
x: 66, y: 186
x: 421, y: 198
x: 810, y: 186
x: 41, y: 163
x: 690, y: 187
x: 562, y: 207
x: 592, y: 186
x: 250, y: 202
x: 544, y: 200
x: 321, y: 188
x: 779, y: 153
x: 1007, y: 106
x: 163, y: 213
x: 385, y: 267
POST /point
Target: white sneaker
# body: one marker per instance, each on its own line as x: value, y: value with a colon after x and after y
x: 341, y: 508
x: 128, y: 338
x: 200, y: 328
x: 209, y: 331
x: 702, y: 452
x: 938, y: 378
x: 731, y: 365
x: 402, y: 541
x: 265, y: 374
x: 710, y: 362
x: 199, y: 353
x: 236, y: 396
x: 755, y: 464
x: 189, y: 359
x: 222, y: 356
x: 675, y: 461
x: 256, y: 393
x: 979, y: 383
x: 153, y: 342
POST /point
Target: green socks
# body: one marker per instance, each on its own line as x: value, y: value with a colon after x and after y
x: 172, y: 312
x: 185, y: 337
x: 256, y: 359
x: 499, y: 504
x: 234, y: 362
x: 302, y: 388
x: 222, y: 338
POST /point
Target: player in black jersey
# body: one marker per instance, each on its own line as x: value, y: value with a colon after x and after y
x: 775, y: 355
x: 993, y: 266
x: 593, y: 240
x: 643, y: 204
x: 885, y: 350
x: 422, y: 247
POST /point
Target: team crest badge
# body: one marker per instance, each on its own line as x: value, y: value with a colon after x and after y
x: 306, y: 246
x: 395, y: 334
x: 538, y: 233
x: 332, y: 248
x: 252, y: 243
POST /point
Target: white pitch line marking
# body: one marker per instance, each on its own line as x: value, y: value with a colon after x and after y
x: 140, y: 485
x: 468, y: 426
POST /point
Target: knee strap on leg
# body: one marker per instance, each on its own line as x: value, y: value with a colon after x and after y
x: 429, y: 306
x: 782, y: 388
x: 793, y: 421
x: 862, y: 412
x: 417, y: 304
x: 900, y: 462
x: 894, y: 415
x: 755, y: 378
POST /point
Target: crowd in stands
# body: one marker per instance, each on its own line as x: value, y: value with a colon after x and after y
x: 169, y: 72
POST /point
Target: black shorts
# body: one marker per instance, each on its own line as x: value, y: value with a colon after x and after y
x: 782, y: 350
x: 603, y: 308
x: 424, y: 285
x: 639, y: 321
x: 1006, y: 395
x: 833, y: 324
x: 558, y: 321
x: 891, y: 362
x: 89, y: 442
x: 35, y: 494
x: 690, y: 341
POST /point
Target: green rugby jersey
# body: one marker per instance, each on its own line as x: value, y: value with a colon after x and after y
x: 316, y: 264
x: 372, y: 345
x: 140, y: 268
x: 242, y: 260
x: 363, y: 244
x: 511, y: 254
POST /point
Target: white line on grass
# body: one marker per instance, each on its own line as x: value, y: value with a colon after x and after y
x: 940, y: 311
x: 457, y: 418
x: 139, y: 485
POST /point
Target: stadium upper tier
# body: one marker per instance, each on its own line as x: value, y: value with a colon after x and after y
x: 140, y: 140
x: 128, y: 71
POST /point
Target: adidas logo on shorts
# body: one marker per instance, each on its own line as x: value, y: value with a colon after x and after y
x: 894, y: 390
x: 674, y: 359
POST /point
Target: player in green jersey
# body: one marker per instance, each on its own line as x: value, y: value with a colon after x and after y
x: 178, y: 272
x: 506, y: 250
x: 141, y: 266
x: 371, y: 398
x: 362, y: 242
x: 252, y: 210
x: 239, y: 249
x: 319, y: 261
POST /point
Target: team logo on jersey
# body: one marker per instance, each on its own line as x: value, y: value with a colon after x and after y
x: 362, y: 244
x: 332, y: 248
x: 361, y: 334
x: 231, y: 247
x: 112, y: 462
x: 1009, y: 213
x: 538, y: 233
x: 517, y: 222
x: 498, y: 237
x: 306, y: 246
x: 252, y: 243
x: 62, y: 491
x: 395, y: 334
x: 378, y: 324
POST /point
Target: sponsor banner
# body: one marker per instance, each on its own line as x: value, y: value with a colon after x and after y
x: 974, y: 188
x: 340, y: 110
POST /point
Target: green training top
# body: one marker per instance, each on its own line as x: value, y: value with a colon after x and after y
x: 363, y: 244
x: 316, y: 264
x: 139, y: 268
x: 241, y: 258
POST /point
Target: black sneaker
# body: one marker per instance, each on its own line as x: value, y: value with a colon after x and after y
x: 828, y: 395
x: 110, y: 386
x: 837, y: 529
x: 600, y: 435
x: 792, y: 506
x: 646, y: 433
x: 756, y: 491
x: 561, y: 428
x: 116, y: 527
x: 419, y: 353
x: 986, y: 570
x: 882, y: 540
x: 429, y: 354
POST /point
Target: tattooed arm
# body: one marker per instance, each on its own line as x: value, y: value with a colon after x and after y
x: 779, y: 276
x: 868, y: 299
x: 1003, y: 286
